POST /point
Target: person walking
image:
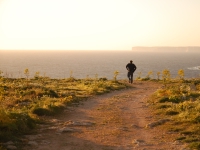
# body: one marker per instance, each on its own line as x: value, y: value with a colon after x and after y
x: 131, y: 69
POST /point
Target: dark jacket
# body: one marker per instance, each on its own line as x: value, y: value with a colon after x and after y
x: 131, y: 67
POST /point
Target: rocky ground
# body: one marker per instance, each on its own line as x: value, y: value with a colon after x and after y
x: 120, y: 120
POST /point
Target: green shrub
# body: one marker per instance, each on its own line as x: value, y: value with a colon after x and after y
x: 15, y: 122
x: 195, y: 145
x: 21, y: 121
x: 196, y: 119
x: 163, y: 106
x: 51, y: 93
x: 195, y: 94
x: 181, y: 138
x: 103, y: 79
x: 191, y: 139
x: 42, y: 111
x: 163, y: 100
x: 171, y: 112
x: 187, y: 132
x: 174, y: 99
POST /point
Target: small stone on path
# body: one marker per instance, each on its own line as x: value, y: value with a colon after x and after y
x: 66, y: 129
x: 33, y: 143
x: 10, y: 147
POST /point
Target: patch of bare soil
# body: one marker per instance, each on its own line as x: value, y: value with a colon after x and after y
x: 113, y: 121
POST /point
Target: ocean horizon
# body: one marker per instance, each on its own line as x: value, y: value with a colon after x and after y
x: 87, y: 63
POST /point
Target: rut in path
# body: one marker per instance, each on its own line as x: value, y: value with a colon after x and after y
x: 113, y: 121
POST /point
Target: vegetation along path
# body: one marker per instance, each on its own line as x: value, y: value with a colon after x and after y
x: 120, y: 120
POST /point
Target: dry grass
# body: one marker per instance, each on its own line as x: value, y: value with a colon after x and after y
x: 23, y: 101
x: 180, y: 101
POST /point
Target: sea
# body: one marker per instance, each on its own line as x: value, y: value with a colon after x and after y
x: 96, y: 64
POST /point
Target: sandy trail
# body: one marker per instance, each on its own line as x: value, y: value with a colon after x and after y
x: 113, y: 121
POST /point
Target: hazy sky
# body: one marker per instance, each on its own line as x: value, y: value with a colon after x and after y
x: 98, y: 24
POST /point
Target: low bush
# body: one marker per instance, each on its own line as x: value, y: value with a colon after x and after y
x: 171, y: 112
x: 181, y: 101
x: 194, y: 145
x: 24, y: 100
x: 15, y: 122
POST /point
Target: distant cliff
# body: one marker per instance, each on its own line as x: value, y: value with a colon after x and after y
x: 165, y: 49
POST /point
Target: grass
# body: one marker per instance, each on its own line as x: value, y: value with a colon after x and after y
x: 24, y: 100
x: 179, y: 100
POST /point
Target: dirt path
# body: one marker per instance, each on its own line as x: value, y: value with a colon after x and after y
x: 114, y: 121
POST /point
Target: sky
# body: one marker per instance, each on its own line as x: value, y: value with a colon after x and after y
x: 98, y: 24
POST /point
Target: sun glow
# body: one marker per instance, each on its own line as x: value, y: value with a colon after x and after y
x: 92, y: 24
